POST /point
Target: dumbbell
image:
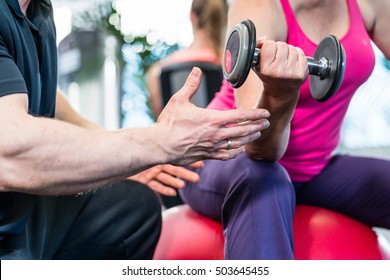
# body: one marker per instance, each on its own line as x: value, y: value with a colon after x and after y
x: 326, y: 68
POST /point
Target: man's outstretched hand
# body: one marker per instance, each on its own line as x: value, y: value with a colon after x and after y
x: 190, y: 133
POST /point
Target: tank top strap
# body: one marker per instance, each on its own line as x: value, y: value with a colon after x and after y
x: 291, y: 20
x: 355, y: 17
x: 296, y: 36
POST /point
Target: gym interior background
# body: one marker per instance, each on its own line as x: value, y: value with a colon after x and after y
x: 116, y: 41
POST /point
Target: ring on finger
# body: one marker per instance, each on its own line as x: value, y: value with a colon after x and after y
x: 229, y: 144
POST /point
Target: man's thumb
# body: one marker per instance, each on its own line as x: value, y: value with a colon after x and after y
x: 192, y: 83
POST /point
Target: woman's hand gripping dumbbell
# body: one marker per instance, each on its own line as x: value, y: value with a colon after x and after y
x: 326, y: 67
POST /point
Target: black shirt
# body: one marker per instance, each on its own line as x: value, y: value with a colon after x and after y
x: 28, y: 64
x: 28, y: 54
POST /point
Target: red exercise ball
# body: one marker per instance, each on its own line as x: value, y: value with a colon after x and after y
x: 318, y: 234
x: 321, y: 234
x: 187, y: 235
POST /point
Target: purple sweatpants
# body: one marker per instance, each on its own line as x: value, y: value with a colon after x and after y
x: 255, y: 200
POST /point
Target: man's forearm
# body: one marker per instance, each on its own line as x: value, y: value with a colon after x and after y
x: 52, y: 157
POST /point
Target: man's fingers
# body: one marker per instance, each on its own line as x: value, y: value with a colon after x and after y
x: 169, y: 180
x: 226, y: 154
x: 198, y: 164
x: 241, y: 134
x: 182, y: 172
x: 161, y: 189
x: 241, y: 115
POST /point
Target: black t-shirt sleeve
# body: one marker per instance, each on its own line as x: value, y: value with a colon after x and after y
x: 11, y: 80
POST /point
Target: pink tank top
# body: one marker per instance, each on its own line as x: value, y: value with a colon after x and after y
x: 315, y: 127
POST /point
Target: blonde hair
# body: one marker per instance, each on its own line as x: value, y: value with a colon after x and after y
x: 212, y: 16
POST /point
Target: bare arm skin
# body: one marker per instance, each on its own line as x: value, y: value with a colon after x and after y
x: 51, y: 157
x: 283, y: 70
x: 376, y: 15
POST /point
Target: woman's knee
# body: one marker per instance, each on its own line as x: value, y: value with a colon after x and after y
x: 261, y: 184
x: 268, y: 177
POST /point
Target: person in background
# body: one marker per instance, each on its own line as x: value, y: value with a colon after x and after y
x: 208, y: 21
x: 294, y: 162
x: 63, y: 193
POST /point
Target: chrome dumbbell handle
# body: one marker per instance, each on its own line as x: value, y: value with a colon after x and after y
x: 318, y: 67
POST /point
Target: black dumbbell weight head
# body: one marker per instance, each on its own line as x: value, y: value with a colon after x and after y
x: 325, y: 85
x: 239, y: 53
